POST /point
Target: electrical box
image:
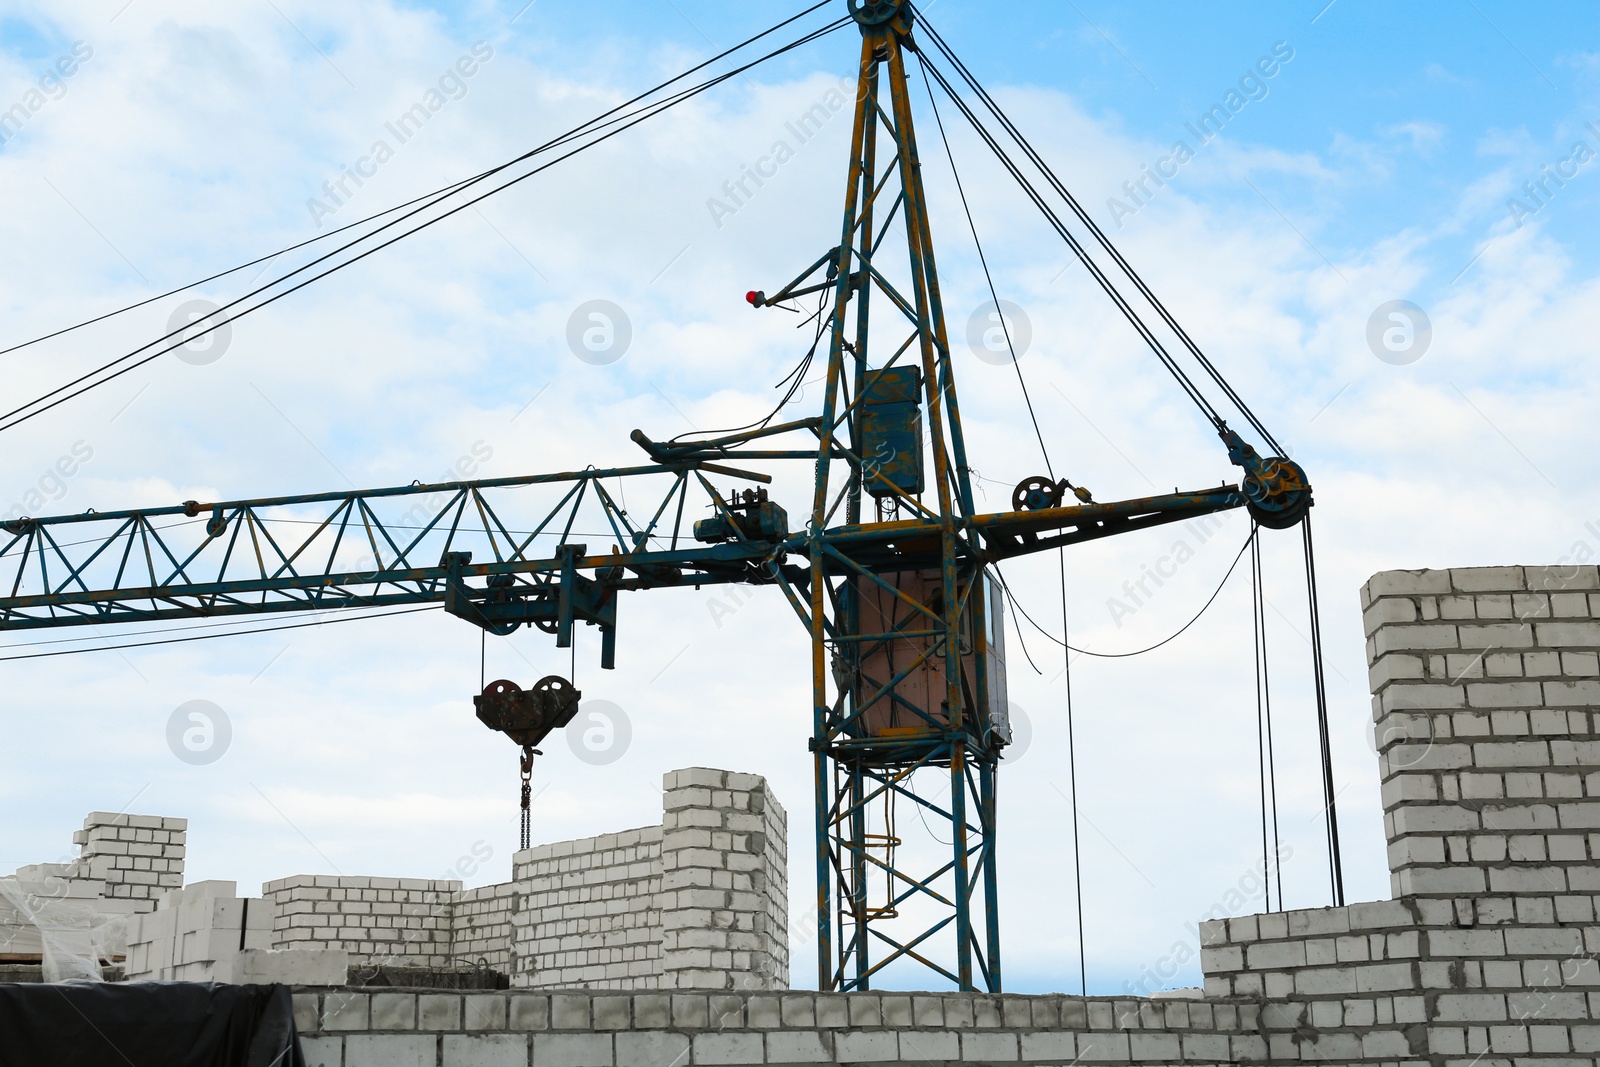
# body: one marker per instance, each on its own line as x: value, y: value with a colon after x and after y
x: 891, y: 431
x: 923, y: 688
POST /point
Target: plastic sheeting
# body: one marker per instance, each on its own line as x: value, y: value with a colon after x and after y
x: 162, y: 1024
x: 66, y: 926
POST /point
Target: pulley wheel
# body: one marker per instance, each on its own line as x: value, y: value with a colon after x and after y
x: 1035, y: 494
x: 1280, y: 497
x: 875, y: 12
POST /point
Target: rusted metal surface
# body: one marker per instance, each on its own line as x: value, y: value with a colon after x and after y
x: 527, y: 715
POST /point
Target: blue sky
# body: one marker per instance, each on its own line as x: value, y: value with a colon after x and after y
x: 1374, y: 165
x: 1408, y: 103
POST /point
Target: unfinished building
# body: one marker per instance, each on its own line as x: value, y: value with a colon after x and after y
x: 665, y: 946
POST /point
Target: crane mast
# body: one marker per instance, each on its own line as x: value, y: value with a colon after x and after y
x: 905, y: 684
x: 891, y: 576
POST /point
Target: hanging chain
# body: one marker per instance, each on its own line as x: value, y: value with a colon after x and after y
x: 528, y: 753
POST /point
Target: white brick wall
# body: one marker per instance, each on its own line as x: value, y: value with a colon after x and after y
x: 661, y: 1029
x: 403, y: 921
x: 699, y: 901
x: 1485, y: 712
x: 481, y: 925
x: 588, y: 913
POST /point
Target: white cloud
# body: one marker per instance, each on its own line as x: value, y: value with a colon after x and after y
x: 1423, y: 136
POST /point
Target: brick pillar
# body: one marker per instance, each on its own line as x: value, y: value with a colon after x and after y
x: 139, y: 857
x: 1486, y: 690
x: 724, y: 892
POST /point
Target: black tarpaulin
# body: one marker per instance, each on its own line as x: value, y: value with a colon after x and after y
x: 147, y: 1024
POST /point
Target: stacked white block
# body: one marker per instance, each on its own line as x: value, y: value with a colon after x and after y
x: 724, y: 910
x: 400, y: 921
x: 37, y: 892
x: 197, y: 934
x: 19, y: 936
x: 67, y: 880
x: 587, y: 912
x: 125, y: 862
x: 299, y: 967
x: 1486, y: 687
x: 1420, y: 979
x: 139, y: 857
x: 49, y: 912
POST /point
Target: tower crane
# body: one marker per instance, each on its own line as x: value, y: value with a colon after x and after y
x: 890, y: 571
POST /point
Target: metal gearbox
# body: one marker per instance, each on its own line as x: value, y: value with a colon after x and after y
x: 748, y: 517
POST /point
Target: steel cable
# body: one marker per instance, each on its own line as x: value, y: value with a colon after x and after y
x: 1099, y: 235
x: 1078, y: 250
x: 1005, y: 328
x: 190, y: 333
x: 444, y: 190
x: 1010, y: 596
x: 210, y: 637
x: 1330, y: 810
x: 1266, y: 760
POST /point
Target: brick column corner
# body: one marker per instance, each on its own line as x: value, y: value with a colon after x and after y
x: 1486, y: 700
x: 139, y: 857
x: 724, y: 882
